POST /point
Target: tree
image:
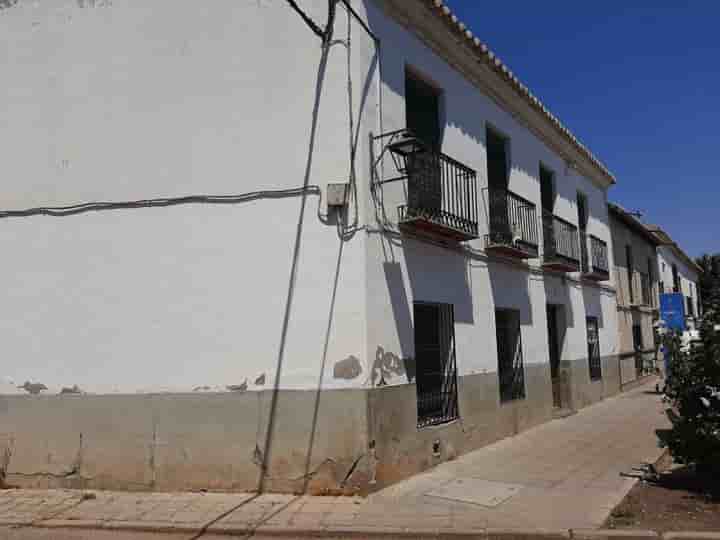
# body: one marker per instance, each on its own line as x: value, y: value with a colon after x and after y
x: 709, y: 280
x: 693, y: 387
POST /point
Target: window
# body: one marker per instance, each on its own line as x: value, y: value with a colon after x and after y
x: 593, y: 343
x: 651, y: 279
x: 676, y: 279
x: 547, y: 189
x: 637, y: 337
x: 436, y: 375
x: 511, y: 373
x: 582, y: 225
x: 582, y: 211
x: 497, y: 161
x: 422, y: 114
x: 661, y: 286
x: 422, y: 110
x: 690, y: 307
x: 500, y: 208
x: 630, y: 270
x: 547, y: 199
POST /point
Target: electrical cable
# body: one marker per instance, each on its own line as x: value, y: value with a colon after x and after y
x: 304, y: 16
x: 62, y: 211
x: 319, y: 85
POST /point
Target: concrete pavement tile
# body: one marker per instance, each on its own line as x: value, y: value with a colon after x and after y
x: 193, y: 517
x: 526, y: 534
x: 15, y: 521
x: 227, y: 529
x: 70, y: 524
x: 314, y: 520
x: 690, y: 535
x: 610, y: 534
x: 161, y: 527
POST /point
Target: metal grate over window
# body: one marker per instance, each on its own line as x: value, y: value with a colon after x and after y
x: 593, y: 342
x: 510, y: 357
x: 436, y: 373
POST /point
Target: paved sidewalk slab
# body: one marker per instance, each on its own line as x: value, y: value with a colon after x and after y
x: 568, y: 469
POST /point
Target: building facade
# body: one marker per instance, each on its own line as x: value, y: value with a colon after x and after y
x: 678, y: 274
x: 636, y: 280
x: 317, y: 247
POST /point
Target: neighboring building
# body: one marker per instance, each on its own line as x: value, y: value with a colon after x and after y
x: 636, y: 275
x: 679, y: 273
x: 455, y: 291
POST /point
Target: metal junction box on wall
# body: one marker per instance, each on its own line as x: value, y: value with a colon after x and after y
x: 336, y: 195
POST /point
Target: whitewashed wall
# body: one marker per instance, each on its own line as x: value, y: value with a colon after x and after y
x: 402, y: 270
x: 688, y: 275
x: 119, y: 100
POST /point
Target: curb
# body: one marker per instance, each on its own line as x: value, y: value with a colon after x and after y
x: 386, y: 533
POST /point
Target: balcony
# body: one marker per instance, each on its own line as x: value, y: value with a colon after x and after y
x: 561, y: 251
x: 512, y: 225
x: 440, y: 193
x: 594, y: 261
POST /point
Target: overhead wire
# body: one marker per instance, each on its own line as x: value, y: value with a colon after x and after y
x: 61, y: 211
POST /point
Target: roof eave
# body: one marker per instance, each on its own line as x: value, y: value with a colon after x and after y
x: 484, y: 54
x: 633, y: 223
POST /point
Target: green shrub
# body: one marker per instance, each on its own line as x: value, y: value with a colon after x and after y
x: 693, y: 389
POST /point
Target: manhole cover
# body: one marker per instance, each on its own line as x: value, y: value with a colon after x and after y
x: 475, y: 491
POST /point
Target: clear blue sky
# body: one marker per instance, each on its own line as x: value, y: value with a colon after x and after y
x: 638, y: 83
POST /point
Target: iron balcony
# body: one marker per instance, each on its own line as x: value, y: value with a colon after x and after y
x: 594, y: 258
x: 561, y: 251
x: 512, y: 224
x: 441, y: 192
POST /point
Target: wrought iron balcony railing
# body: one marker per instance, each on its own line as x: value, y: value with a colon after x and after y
x: 512, y: 227
x: 440, y: 192
x: 561, y: 250
x: 594, y: 257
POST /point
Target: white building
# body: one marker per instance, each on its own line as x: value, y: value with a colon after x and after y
x: 195, y: 313
x: 679, y: 273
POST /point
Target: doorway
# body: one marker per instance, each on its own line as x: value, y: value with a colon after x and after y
x: 422, y: 113
x: 501, y: 223
x: 554, y: 352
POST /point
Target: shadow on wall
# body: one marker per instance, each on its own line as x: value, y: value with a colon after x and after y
x: 402, y: 312
x: 557, y: 292
x: 439, y: 275
x: 434, y: 274
x: 388, y: 365
x: 510, y: 288
x: 341, y: 472
x: 592, y: 299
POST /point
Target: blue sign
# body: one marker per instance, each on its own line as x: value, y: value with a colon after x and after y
x: 672, y: 311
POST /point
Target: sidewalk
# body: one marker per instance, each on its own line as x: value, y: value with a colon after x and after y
x: 561, y: 475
